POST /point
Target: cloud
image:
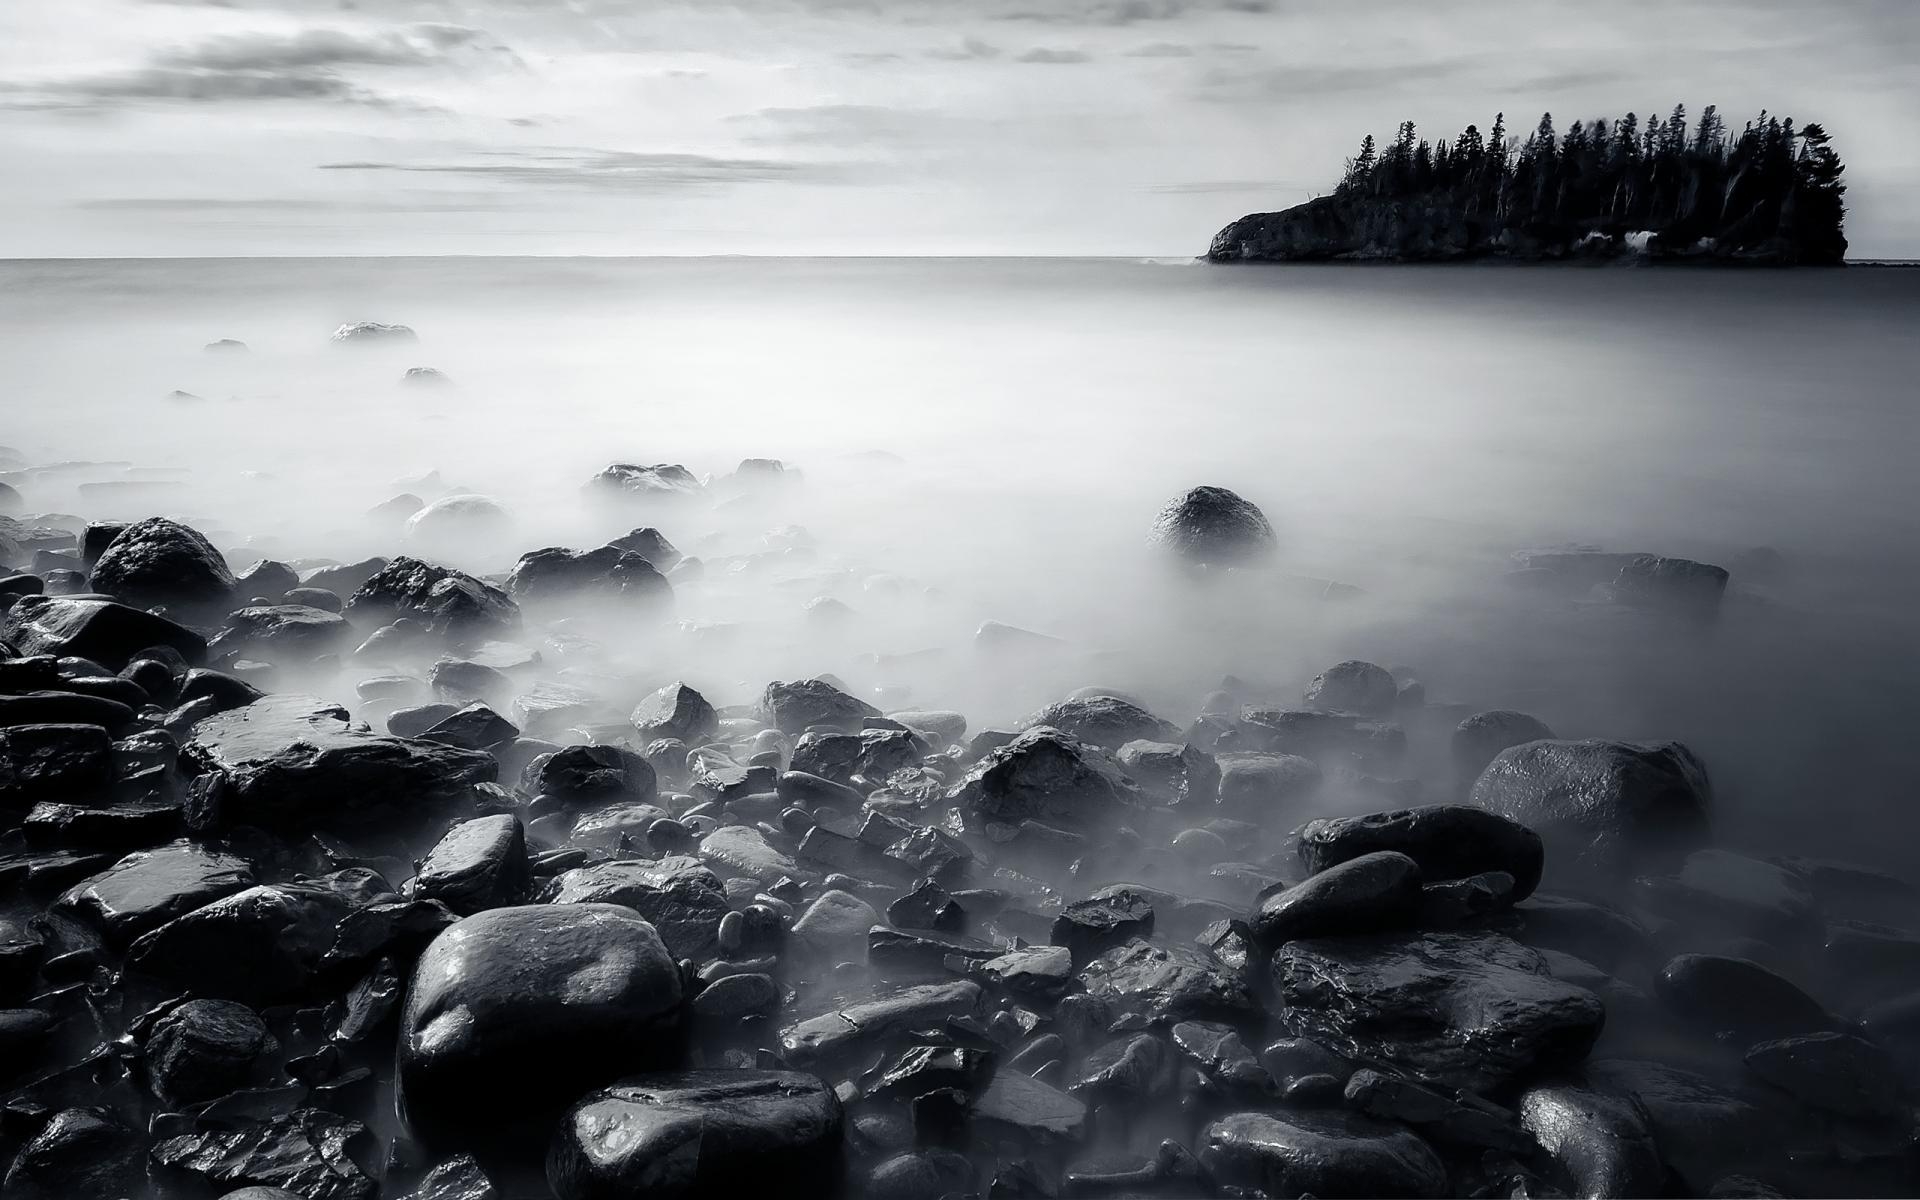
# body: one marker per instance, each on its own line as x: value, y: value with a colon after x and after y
x: 418, y: 45
x: 1161, y: 50
x: 170, y: 83
x: 439, y: 202
x: 971, y: 48
x: 1049, y: 55
x: 1282, y: 82
x: 836, y: 124
x: 1129, y: 12
x: 618, y: 170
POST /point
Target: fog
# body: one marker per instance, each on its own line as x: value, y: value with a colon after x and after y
x: 990, y: 440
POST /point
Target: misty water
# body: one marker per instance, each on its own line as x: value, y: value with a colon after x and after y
x: 990, y: 439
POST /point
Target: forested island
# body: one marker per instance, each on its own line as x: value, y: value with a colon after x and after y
x: 1770, y: 193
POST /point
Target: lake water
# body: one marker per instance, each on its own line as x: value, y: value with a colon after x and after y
x: 1406, y: 429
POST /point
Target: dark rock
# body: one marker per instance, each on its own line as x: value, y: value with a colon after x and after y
x: 872, y: 753
x: 1834, y: 1072
x: 401, y: 927
x: 146, y: 889
x: 1105, y: 721
x: 475, y: 727
x: 682, y: 898
x: 1702, y: 1130
x: 1319, y: 1154
x: 1735, y: 896
x: 910, y: 952
x: 480, y: 864
x: 744, y: 851
x: 203, y: 1049
x: 1373, y: 893
x: 289, y: 762
x: 1484, y: 734
x: 843, y: 1031
x: 225, y: 692
x: 631, y: 481
x: 1172, y: 772
x: 260, y: 944
x: 79, y: 1153
x: 313, y: 597
x: 266, y: 578
x: 458, y: 1178
x: 702, y: 1133
x: 556, y: 576
x: 1089, y: 928
x: 1353, y: 687
x: 1676, y: 584
x: 1045, y: 775
x: 1214, y: 526
x: 373, y: 333
x: 63, y: 708
x: 675, y: 711
x: 516, y: 1011
x: 793, y: 708
x: 1042, y: 972
x: 651, y: 545
x: 1126, y: 1069
x: 283, y: 633
x: 919, y: 1174
x: 1738, y: 996
x: 1471, y: 1011
x: 1455, y: 902
x: 344, y: 579
x: 1029, y: 1109
x: 927, y: 906
x: 1258, y: 785
x: 94, y: 628
x: 1448, y: 841
x: 305, y: 1152
x: 446, y: 601
x: 836, y: 925
x: 421, y: 719
x: 1607, y: 806
x: 461, y: 681
x: 42, y: 762
x: 1168, y: 983
x: 1600, y: 1142
x: 1218, y: 1053
x: 158, y: 562
x: 734, y: 997
x: 1461, y: 1121
x: 1596, y: 932
x: 581, y: 776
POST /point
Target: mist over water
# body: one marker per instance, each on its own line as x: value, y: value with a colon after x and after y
x: 990, y: 439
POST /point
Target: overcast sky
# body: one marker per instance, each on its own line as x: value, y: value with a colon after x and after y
x: 1132, y: 127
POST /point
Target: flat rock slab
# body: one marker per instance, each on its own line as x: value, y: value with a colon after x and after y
x: 1474, y: 1011
x: 293, y: 762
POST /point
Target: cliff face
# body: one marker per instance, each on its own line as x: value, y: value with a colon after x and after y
x: 1363, y: 228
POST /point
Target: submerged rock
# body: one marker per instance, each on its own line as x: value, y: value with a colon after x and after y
x: 373, y: 333
x: 700, y: 1134
x: 1333, y: 1154
x: 1677, y: 584
x: 1610, y: 807
x: 1354, y: 687
x: 631, y: 481
x: 515, y: 1012
x: 1215, y: 526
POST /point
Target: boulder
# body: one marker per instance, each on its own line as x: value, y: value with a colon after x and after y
x: 1833, y: 1072
x: 1448, y: 841
x: 1374, y: 893
x: 365, y: 333
x: 1108, y: 722
x: 1736, y: 995
x: 1476, y: 1011
x: 283, y: 633
x: 79, y: 1152
x: 446, y: 601
x: 700, y: 1134
x: 515, y: 1012
x: 202, y: 1049
x: 557, y: 577
x: 94, y: 628
x: 1484, y: 734
x: 585, y: 776
x: 149, y: 888
x: 650, y: 544
x: 47, y: 762
x: 1180, y: 774
x: 1331, y: 1154
x: 158, y: 562
x: 1354, y: 687
x: 479, y: 864
x: 1045, y: 775
x: 861, y: 1025
x: 1167, y: 983
x: 1678, y: 585
x: 1601, y: 1142
x: 1214, y: 526
x: 1256, y: 787
x: 678, y: 895
x: 795, y: 707
x: 675, y: 711
x: 291, y: 762
x: 1607, y: 807
x: 256, y: 945
x: 660, y: 482
x: 872, y: 754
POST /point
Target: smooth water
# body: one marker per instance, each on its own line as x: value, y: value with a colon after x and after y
x: 1406, y: 429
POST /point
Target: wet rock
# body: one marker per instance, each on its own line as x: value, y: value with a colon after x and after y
x: 1600, y: 1142
x: 852, y: 1027
x: 701, y: 1133
x: 1045, y: 775
x: 1168, y: 983
x: 1606, y: 807
x: 582, y: 776
x: 920, y: 1173
x: 362, y: 333
x: 910, y: 952
x: 1455, y: 902
x: 1599, y: 933
x: 744, y: 851
x: 1738, y: 996
x: 148, y: 888
x: 1464, y: 1121
x: 651, y: 545
x: 1126, y: 1069
x: 735, y: 997
x: 1448, y: 841
x: 1373, y: 893
x: 1678, y: 585
x: 1484, y: 734
x: 516, y: 1011
x: 93, y: 628
x: 795, y: 707
x: 1091, y: 927
x: 683, y: 900
x: 1834, y: 1072
x: 1172, y: 772
x: 479, y: 864
x: 266, y: 578
x: 475, y: 727
x: 1018, y: 1104
x: 1735, y: 895
x: 675, y: 711
x: 1702, y: 1130
x: 1043, y: 972
x: 927, y: 906
x: 64, y: 708
x: 872, y: 753
x: 260, y: 944
x: 1215, y: 526
x: 557, y: 576
x: 158, y: 562
x: 290, y: 762
x: 45, y: 762
x: 283, y: 633
x: 1105, y: 721
x: 1257, y: 786
x: 80, y: 1152
x: 1319, y: 1154
x: 632, y: 481
x: 424, y: 377
x: 1470, y: 1011
x: 836, y: 925
x: 306, y: 1152
x: 446, y: 601
x: 1353, y: 687
x: 1218, y: 1053
x: 203, y: 1049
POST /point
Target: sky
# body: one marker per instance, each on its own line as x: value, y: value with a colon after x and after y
x: 1099, y: 127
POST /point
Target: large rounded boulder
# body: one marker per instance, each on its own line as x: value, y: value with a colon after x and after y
x: 1608, y: 807
x: 1214, y: 526
x: 159, y: 562
x: 514, y: 1013
x: 557, y: 576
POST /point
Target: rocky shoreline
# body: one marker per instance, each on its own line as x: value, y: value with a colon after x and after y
x: 493, y: 933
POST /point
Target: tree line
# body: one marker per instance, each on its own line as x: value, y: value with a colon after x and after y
x: 1771, y: 180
